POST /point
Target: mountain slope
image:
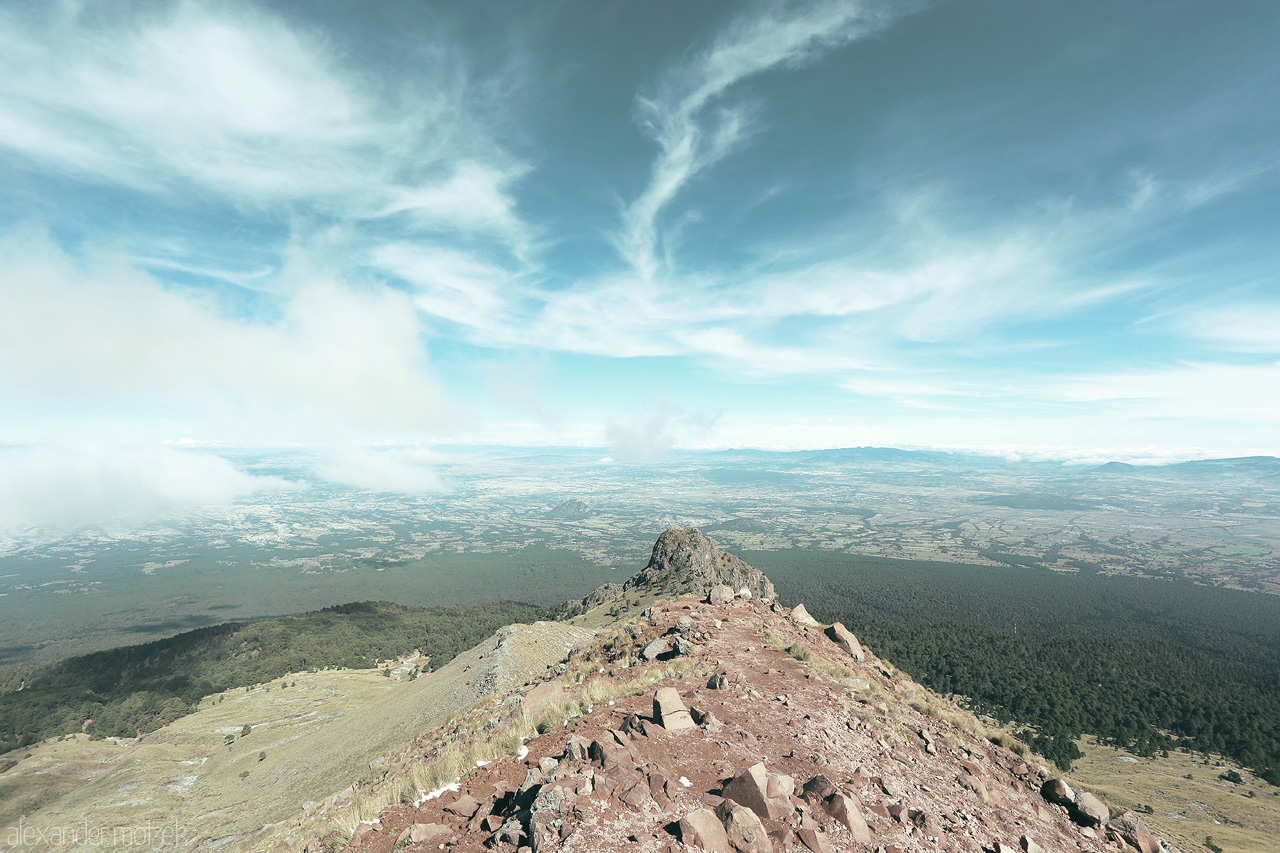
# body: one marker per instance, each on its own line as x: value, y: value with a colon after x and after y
x: 789, y: 743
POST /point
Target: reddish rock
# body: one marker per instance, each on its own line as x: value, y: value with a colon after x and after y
x: 814, y: 840
x: 818, y: 789
x: 846, y: 809
x: 1127, y: 821
x: 750, y: 788
x: 781, y: 787
x: 701, y: 828
x: 720, y: 594
x: 1058, y: 792
x: 746, y: 832
x: 669, y: 711
x: 363, y: 832
x: 464, y: 806
x: 1141, y: 841
x: 1089, y: 810
x: 975, y: 784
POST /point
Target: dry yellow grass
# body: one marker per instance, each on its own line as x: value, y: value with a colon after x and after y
x: 306, y: 742
x: 1186, y: 811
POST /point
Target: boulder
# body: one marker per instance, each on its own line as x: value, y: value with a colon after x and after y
x: 363, y: 833
x: 1142, y: 841
x: 781, y: 787
x: 801, y: 616
x: 1058, y: 792
x: 844, y: 638
x: 1089, y: 810
x: 511, y: 832
x: 750, y: 788
x: 975, y: 784
x: 818, y: 789
x: 720, y: 594
x: 669, y: 711
x: 1127, y: 821
x: 465, y: 806
x: 577, y: 748
x: 1029, y: 845
x: 428, y: 833
x: 814, y: 840
x: 702, y: 829
x: 744, y: 593
x: 848, y: 811
x: 745, y: 831
x: 655, y: 648
x: 717, y: 682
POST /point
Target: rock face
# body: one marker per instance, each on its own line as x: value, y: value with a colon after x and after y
x: 684, y: 559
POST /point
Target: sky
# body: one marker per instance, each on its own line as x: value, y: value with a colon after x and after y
x: 1038, y: 227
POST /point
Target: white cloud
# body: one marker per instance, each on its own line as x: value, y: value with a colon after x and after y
x: 454, y: 285
x: 1251, y: 327
x: 230, y: 100
x: 66, y: 486
x: 404, y: 470
x: 1206, y: 392
x: 648, y: 437
x: 336, y: 358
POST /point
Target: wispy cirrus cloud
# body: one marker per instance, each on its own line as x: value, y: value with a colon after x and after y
x: 690, y: 119
x: 232, y: 101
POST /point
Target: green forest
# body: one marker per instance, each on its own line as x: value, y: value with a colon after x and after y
x: 1147, y: 665
x: 137, y: 689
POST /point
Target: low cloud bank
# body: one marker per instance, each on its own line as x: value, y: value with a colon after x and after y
x: 66, y: 486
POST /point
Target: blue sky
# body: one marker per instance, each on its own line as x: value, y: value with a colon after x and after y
x: 1048, y: 228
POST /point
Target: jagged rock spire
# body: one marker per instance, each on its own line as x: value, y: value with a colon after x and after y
x: 685, y: 559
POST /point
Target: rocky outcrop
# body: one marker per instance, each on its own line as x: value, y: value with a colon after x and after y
x: 685, y: 560
x: 792, y: 759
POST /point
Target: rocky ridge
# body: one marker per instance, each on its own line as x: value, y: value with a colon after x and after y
x: 728, y: 723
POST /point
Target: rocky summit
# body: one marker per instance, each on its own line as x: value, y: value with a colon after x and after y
x: 736, y: 725
x: 685, y: 560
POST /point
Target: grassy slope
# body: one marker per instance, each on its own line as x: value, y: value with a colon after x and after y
x: 1186, y: 810
x: 318, y: 737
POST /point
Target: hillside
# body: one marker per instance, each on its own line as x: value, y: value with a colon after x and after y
x: 749, y: 728
x: 134, y: 690
x: 724, y: 722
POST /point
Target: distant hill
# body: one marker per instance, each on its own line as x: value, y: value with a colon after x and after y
x: 572, y: 509
x: 1116, y: 468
